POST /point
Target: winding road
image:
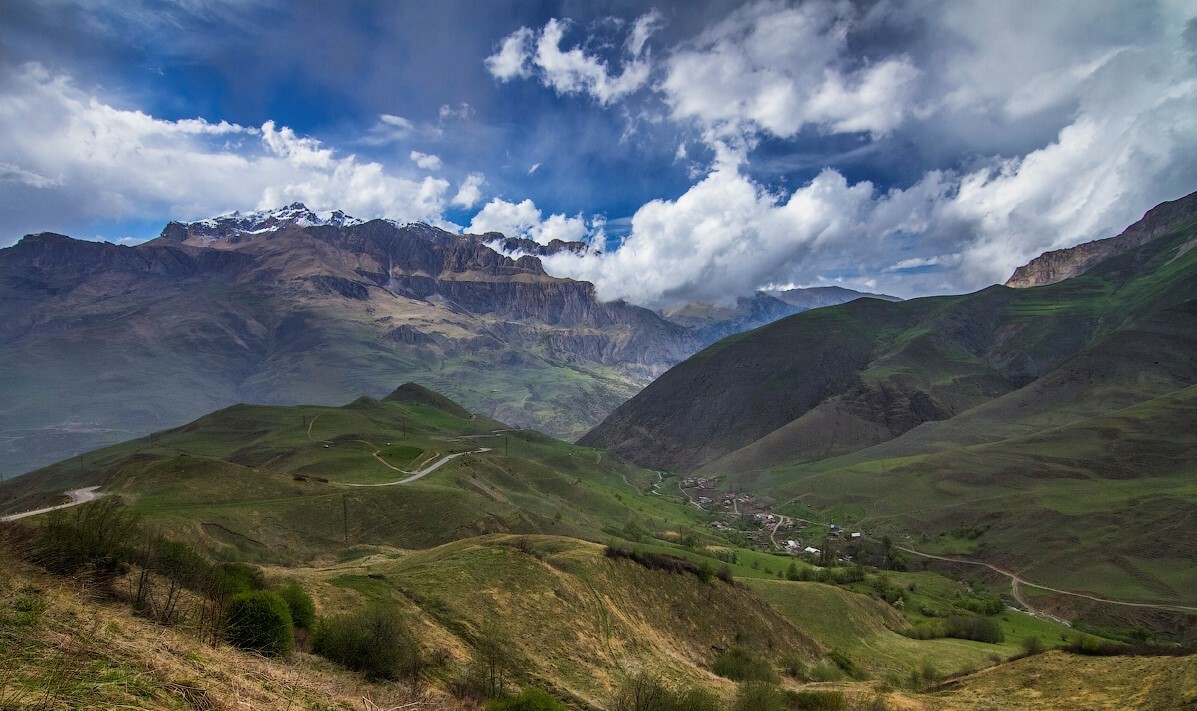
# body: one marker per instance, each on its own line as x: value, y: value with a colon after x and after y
x: 78, y: 496
x: 1016, y: 582
x: 426, y: 471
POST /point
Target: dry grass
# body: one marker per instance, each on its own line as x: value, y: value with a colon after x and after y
x: 61, y: 650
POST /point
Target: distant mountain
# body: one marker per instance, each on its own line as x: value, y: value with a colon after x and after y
x: 103, y: 342
x: 1061, y: 264
x: 711, y: 323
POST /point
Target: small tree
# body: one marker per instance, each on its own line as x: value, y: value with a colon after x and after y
x: 491, y: 659
x: 260, y: 621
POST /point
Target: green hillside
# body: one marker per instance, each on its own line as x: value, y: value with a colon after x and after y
x: 288, y: 483
x: 1048, y: 431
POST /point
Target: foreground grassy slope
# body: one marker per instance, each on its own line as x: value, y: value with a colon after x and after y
x: 60, y: 649
x: 1063, y: 681
x: 576, y: 621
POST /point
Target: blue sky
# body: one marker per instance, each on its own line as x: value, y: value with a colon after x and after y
x: 710, y: 148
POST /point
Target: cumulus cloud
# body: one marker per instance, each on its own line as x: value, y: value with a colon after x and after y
x: 1124, y: 151
x: 526, y: 52
x: 724, y: 237
x: 777, y: 68
x: 470, y: 191
x: 426, y: 161
x: 513, y: 57
x: 524, y: 219
x: 91, y: 159
x: 1057, y: 135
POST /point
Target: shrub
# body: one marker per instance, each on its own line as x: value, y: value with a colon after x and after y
x: 303, y: 610
x: 530, y: 699
x: 1032, y: 645
x: 738, y: 664
x: 848, y: 666
x: 816, y: 700
x: 758, y: 696
x: 236, y: 578
x: 979, y: 629
x: 645, y: 692
x: 793, y: 666
x: 99, y: 535
x: 824, y: 671
x: 260, y: 621
x: 373, y: 640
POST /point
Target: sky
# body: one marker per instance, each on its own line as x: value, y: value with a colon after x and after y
x: 705, y: 148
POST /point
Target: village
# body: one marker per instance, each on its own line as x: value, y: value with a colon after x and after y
x: 763, y: 529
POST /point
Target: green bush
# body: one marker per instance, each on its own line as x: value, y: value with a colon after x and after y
x: 758, y: 696
x: 738, y: 664
x: 374, y: 641
x: 236, y: 578
x: 303, y: 610
x: 979, y: 629
x: 530, y: 699
x: 260, y: 621
x: 848, y: 666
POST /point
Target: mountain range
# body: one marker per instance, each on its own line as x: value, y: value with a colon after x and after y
x: 104, y: 342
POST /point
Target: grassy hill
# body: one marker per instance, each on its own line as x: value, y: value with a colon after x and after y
x: 289, y: 483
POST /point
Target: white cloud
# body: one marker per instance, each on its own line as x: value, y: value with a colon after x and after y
x: 778, y: 68
x: 722, y: 238
x: 1064, y: 122
x: 389, y: 129
x: 470, y: 191
x: 512, y: 59
x: 535, y: 167
x: 426, y: 161
x: 523, y: 219
x: 643, y: 29
x: 461, y: 112
x: 113, y: 163
x: 527, y: 52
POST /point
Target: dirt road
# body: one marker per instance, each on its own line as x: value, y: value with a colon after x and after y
x: 1017, y: 582
x: 426, y: 471
x: 78, y: 496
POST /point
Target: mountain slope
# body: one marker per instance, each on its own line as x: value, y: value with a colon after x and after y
x: 711, y: 323
x: 1046, y: 430
x: 828, y: 382
x: 1061, y: 264
x: 104, y: 342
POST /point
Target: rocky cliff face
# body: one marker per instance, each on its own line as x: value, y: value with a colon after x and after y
x: 1061, y: 264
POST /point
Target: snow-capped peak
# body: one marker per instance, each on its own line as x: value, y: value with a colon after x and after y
x: 252, y: 223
